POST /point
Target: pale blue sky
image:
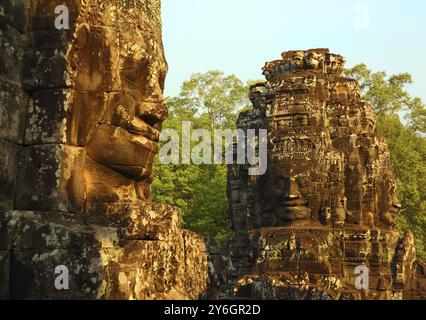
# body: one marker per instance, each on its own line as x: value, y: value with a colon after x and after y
x: 239, y: 36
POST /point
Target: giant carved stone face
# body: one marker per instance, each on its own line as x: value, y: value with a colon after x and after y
x: 127, y: 138
x: 325, y: 162
x: 118, y: 71
x: 298, y: 150
x: 327, y: 202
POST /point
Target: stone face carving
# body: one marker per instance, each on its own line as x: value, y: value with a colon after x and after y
x: 327, y: 202
x: 316, y: 123
x: 82, y: 111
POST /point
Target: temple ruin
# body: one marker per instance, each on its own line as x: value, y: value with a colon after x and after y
x: 327, y: 204
x: 81, y: 113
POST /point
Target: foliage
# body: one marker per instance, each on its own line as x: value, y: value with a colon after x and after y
x: 208, y: 100
x: 386, y: 94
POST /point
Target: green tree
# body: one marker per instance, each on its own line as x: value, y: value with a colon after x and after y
x: 406, y: 139
x: 208, y: 100
x: 212, y: 98
x: 386, y: 94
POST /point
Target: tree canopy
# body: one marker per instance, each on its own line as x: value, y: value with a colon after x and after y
x: 210, y: 100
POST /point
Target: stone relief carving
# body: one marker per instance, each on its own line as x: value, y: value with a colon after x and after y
x: 328, y: 195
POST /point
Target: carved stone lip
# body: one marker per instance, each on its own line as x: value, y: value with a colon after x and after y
x: 148, y: 139
x: 394, y: 209
x: 146, y: 125
x: 112, y: 142
x: 294, y: 212
x: 145, y: 142
x: 144, y: 135
x: 141, y: 128
x: 293, y: 203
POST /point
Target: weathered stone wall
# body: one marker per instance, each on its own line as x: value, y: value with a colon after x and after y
x: 418, y: 282
x: 13, y: 98
x: 327, y: 203
x: 81, y: 112
x: 220, y: 271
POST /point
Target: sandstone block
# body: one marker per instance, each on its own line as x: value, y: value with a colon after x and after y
x: 100, y: 265
x: 50, y: 178
x: 13, y: 108
x: 47, y: 118
x: 11, y: 54
x: 136, y: 220
x: 196, y: 261
x: 45, y: 68
x: 9, y: 154
x: 4, y: 274
x: 63, y: 117
x: 14, y: 13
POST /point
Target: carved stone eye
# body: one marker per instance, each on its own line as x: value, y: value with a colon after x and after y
x: 130, y: 75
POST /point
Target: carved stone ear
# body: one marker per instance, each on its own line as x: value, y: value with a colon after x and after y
x: 81, y: 39
x: 82, y: 36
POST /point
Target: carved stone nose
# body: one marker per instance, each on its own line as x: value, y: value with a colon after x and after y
x: 291, y: 189
x: 397, y: 205
x: 395, y: 201
x: 294, y: 189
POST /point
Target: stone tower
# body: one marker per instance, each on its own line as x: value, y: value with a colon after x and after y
x: 81, y: 113
x: 327, y: 205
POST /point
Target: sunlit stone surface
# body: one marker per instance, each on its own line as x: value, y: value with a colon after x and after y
x: 81, y: 113
x: 327, y: 203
